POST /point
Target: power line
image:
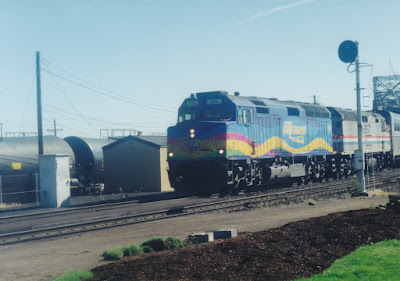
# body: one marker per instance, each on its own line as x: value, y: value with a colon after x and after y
x: 77, y: 111
x: 105, y: 92
x: 100, y: 120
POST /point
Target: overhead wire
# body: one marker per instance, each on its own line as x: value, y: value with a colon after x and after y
x: 104, y: 92
x: 100, y: 120
x: 69, y: 101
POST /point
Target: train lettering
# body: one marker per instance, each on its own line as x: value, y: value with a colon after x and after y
x: 295, y: 133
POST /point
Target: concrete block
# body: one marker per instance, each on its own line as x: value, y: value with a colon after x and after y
x: 54, y: 181
x: 224, y: 233
x: 203, y: 237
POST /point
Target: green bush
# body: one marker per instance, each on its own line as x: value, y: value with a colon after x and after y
x: 147, y: 249
x: 173, y: 242
x: 132, y: 251
x: 115, y: 254
x: 75, y: 276
x: 156, y: 243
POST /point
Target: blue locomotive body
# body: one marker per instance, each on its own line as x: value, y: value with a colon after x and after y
x: 232, y: 141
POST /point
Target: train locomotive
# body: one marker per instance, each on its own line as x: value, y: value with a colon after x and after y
x: 224, y: 141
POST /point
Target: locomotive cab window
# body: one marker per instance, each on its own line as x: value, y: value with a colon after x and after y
x: 208, y: 110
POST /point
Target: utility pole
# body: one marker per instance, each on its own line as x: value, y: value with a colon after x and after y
x: 348, y: 53
x: 39, y: 105
x: 55, y: 128
x: 359, y: 154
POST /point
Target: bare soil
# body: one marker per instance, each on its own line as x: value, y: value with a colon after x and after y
x: 47, y: 259
x: 298, y: 249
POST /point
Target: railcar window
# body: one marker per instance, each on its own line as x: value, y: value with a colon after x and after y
x: 293, y: 111
x: 383, y: 126
x: 315, y: 111
x: 376, y: 120
x: 213, y: 101
x: 246, y: 117
x: 264, y: 110
x: 206, y: 113
x: 240, y: 116
x: 397, y: 125
x: 192, y: 103
x: 365, y: 119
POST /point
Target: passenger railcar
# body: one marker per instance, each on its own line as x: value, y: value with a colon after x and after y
x: 392, y: 125
x: 375, y: 135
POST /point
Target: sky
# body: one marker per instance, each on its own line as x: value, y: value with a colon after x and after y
x: 119, y: 64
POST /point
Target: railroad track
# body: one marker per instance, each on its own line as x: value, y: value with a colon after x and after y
x: 235, y: 204
x: 91, y: 208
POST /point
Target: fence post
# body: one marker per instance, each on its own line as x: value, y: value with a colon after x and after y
x: 1, y: 191
x: 37, y: 187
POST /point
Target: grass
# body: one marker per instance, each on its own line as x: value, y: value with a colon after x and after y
x: 132, y: 251
x: 114, y: 254
x: 173, y: 242
x: 156, y: 243
x: 75, y: 276
x: 376, y: 262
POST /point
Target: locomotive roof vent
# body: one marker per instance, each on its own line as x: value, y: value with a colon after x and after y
x: 192, y: 96
x: 236, y: 94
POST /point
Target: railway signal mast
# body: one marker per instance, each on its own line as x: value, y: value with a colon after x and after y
x: 348, y: 53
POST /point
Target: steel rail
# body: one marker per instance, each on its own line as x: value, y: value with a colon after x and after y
x: 96, y: 207
x: 231, y: 204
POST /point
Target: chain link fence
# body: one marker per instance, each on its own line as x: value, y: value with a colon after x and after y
x: 19, y: 189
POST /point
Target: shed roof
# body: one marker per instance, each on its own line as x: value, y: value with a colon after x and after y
x: 154, y: 141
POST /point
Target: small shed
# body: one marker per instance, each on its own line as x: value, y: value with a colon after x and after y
x: 136, y: 164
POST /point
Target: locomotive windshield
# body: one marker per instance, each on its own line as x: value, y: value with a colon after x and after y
x: 208, y: 110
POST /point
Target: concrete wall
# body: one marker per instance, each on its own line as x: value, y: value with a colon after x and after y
x: 54, y: 181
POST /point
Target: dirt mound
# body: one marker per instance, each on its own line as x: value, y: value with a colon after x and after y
x: 299, y: 249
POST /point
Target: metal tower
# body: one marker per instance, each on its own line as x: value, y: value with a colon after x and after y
x: 387, y: 93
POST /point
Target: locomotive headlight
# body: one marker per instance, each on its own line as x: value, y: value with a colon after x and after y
x: 191, y: 131
x: 170, y: 154
x: 191, y: 136
x: 221, y: 151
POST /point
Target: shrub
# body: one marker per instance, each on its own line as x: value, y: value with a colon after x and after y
x: 156, y: 243
x: 115, y: 254
x: 132, y: 251
x: 173, y: 242
x: 147, y: 249
x: 74, y: 276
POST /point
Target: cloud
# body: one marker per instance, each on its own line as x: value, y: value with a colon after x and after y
x: 277, y: 9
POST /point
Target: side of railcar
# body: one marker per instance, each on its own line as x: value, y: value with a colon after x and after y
x: 376, y: 139
x: 282, y: 140
x: 392, y: 126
